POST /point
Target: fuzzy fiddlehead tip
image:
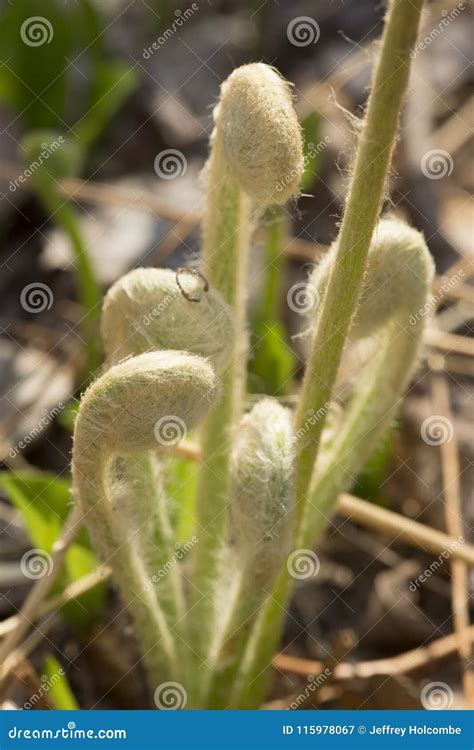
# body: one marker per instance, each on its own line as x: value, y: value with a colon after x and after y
x: 398, y: 277
x: 262, y: 487
x: 137, y: 406
x: 260, y: 133
x: 260, y: 531
x: 151, y: 308
x: 125, y: 410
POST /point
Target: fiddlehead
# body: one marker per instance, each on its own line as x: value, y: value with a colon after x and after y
x: 118, y: 417
x: 151, y: 308
x: 397, y: 285
x: 260, y: 533
x: 256, y: 159
x: 399, y: 271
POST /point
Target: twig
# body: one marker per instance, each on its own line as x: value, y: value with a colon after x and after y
x: 464, y: 264
x: 455, y: 130
x: 450, y: 470
x: 298, y: 249
x: 41, y: 588
x: 400, y: 664
x: 460, y: 366
x: 27, y: 675
x: 73, y: 591
x: 411, y: 532
x: 460, y: 292
x: 105, y: 194
x: 449, y: 342
x: 20, y: 654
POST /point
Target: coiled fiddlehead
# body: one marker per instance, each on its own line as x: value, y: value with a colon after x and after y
x: 118, y: 417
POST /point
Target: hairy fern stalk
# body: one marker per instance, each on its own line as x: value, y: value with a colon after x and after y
x: 208, y: 619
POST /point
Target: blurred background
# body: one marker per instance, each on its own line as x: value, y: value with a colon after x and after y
x: 105, y: 118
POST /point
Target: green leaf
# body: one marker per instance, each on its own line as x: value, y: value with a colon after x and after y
x: 67, y: 417
x: 59, y: 690
x: 311, y: 150
x: 370, y: 479
x: 44, y: 502
x: 273, y: 363
x: 50, y: 156
x: 181, y: 486
x: 34, y: 70
x: 55, y: 74
x: 113, y: 83
x: 43, y: 45
x: 81, y: 560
